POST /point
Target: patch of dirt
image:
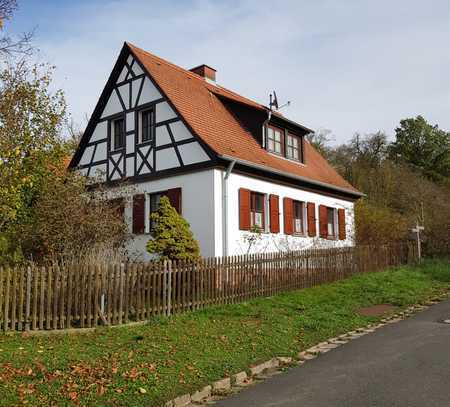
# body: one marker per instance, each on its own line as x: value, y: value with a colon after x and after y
x: 376, y: 310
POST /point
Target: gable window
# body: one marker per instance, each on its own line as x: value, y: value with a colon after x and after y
x: 299, y: 217
x: 146, y: 125
x: 275, y: 140
x: 331, y: 222
x: 293, y: 147
x: 257, y: 212
x: 118, y: 133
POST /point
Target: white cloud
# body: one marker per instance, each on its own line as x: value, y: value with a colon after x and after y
x: 347, y: 66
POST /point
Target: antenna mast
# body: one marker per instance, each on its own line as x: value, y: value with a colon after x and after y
x: 273, y: 102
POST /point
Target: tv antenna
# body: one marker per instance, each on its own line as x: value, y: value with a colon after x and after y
x: 274, y: 102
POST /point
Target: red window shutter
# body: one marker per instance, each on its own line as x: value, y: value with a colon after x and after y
x: 288, y: 207
x: 311, y: 212
x: 323, y: 221
x: 139, y: 214
x: 274, y: 214
x: 174, y: 196
x: 244, y: 209
x: 341, y: 222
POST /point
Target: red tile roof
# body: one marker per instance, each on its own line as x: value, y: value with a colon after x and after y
x: 198, y: 102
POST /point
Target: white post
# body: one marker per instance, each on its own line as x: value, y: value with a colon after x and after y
x: 417, y: 230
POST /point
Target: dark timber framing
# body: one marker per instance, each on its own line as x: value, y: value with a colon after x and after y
x: 116, y: 160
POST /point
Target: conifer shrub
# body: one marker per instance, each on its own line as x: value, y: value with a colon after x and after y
x: 172, y: 236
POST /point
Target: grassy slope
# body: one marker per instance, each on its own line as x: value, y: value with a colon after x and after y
x: 168, y: 357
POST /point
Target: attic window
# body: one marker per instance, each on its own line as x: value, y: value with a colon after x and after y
x: 293, y: 147
x: 146, y: 125
x: 118, y: 133
x: 282, y: 142
x: 275, y: 140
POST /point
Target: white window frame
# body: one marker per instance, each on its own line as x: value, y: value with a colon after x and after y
x: 267, y: 224
x: 304, y: 220
x: 335, y: 223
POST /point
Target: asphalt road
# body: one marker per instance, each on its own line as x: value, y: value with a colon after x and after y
x: 406, y: 364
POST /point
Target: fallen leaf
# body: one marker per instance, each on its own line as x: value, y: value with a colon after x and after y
x: 100, y: 389
x: 73, y: 395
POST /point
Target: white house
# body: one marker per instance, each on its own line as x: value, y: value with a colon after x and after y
x: 227, y: 163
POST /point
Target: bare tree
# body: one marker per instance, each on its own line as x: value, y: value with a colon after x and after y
x: 10, y: 45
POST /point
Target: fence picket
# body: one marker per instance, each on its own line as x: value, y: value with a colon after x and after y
x: 41, y: 298
x: 6, y: 300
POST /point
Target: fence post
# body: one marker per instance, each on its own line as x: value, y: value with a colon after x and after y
x: 6, y: 300
x: 122, y: 276
x: 169, y: 287
x: 28, y: 300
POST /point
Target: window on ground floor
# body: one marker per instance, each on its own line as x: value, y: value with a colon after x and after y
x: 299, y: 217
x: 154, y: 200
x: 331, y: 222
x: 257, y: 210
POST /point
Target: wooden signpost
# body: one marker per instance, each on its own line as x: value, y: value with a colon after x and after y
x: 417, y: 231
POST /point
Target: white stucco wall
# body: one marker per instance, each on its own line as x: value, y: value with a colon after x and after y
x: 269, y: 242
x: 197, y: 208
x: 203, y: 204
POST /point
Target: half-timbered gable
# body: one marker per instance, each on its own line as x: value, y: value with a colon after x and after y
x: 135, y: 131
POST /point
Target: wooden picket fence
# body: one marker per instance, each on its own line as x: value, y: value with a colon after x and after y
x: 84, y: 296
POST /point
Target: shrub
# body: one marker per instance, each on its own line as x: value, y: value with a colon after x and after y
x: 68, y: 220
x: 172, y: 237
x: 378, y: 225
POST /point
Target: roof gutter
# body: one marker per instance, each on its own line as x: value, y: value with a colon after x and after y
x: 288, y: 175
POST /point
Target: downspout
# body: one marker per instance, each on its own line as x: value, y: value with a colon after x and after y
x: 264, y: 128
x: 225, y: 208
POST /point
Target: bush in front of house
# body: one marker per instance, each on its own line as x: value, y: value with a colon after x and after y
x: 172, y: 236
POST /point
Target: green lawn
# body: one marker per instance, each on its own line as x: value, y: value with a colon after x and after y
x: 152, y: 363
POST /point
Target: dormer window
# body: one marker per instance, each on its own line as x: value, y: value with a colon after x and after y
x: 283, y: 142
x: 293, y: 147
x: 275, y: 140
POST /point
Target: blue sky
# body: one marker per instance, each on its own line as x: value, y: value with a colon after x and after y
x: 348, y: 66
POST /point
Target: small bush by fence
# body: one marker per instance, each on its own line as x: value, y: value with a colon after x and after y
x: 92, y: 295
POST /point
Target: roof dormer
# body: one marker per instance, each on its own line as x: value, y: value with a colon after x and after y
x: 283, y: 142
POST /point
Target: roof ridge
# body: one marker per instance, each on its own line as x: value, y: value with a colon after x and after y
x: 194, y: 75
x: 243, y: 97
x: 165, y: 61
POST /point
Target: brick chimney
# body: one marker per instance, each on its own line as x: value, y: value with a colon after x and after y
x: 206, y: 72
